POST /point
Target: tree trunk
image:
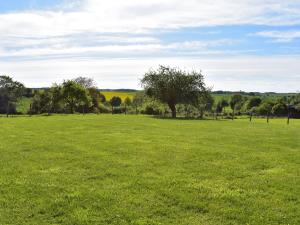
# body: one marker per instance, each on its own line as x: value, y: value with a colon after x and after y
x: 136, y: 110
x: 173, y: 109
x: 250, y: 117
x: 233, y: 113
x: 268, y: 116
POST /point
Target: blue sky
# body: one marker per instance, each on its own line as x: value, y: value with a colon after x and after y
x: 238, y: 45
x: 17, y: 5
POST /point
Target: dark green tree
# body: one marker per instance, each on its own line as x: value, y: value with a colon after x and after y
x: 74, y: 95
x: 10, y: 92
x: 173, y: 86
x: 220, y: 106
x: 96, y: 97
x: 115, y: 102
x: 253, y: 102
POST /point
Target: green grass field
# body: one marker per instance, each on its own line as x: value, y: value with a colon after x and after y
x: 141, y: 170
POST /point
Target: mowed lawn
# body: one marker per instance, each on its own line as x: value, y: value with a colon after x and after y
x: 104, y: 169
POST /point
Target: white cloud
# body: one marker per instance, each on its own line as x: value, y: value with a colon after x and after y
x: 141, y: 46
x: 280, y: 36
x: 137, y: 16
x: 235, y: 73
x: 104, y: 29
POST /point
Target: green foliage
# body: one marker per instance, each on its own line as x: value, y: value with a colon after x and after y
x: 253, y: 102
x: 10, y: 92
x: 204, y: 103
x: 235, y: 101
x: 280, y: 109
x: 115, y: 101
x: 221, y: 105
x: 75, y: 95
x: 23, y: 105
x: 265, y: 108
x: 127, y: 101
x: 152, y: 107
x: 102, y: 98
x: 173, y: 86
x: 104, y: 169
x: 96, y: 97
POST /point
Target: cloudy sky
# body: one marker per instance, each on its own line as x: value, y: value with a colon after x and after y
x: 251, y: 45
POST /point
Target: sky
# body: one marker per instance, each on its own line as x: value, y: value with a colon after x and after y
x: 249, y: 45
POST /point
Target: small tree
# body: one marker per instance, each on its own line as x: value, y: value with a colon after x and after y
x: 74, y: 95
x: 221, y: 105
x: 253, y: 102
x: 235, y: 101
x: 95, y: 97
x: 10, y: 91
x: 204, y: 102
x: 265, y: 109
x: 173, y: 86
x: 127, y: 102
x: 138, y: 100
x: 115, y: 102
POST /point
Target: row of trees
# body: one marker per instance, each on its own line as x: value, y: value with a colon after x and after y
x: 166, y: 91
x: 262, y: 106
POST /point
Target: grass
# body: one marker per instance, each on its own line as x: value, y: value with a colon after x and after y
x: 109, y: 94
x: 140, y: 170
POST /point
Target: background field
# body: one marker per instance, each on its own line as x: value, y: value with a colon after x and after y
x: 109, y: 94
x: 141, y: 170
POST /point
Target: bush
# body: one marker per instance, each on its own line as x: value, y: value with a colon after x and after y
x: 150, y: 110
x: 104, y: 109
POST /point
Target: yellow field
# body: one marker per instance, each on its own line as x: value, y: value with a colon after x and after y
x: 109, y: 94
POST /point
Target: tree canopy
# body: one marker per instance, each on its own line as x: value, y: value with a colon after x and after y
x: 173, y: 86
x: 10, y: 91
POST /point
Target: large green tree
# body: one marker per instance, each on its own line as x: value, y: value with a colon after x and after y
x: 10, y: 92
x: 74, y: 95
x: 173, y: 86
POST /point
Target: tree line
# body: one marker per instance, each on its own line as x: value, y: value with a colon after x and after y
x: 167, y: 91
